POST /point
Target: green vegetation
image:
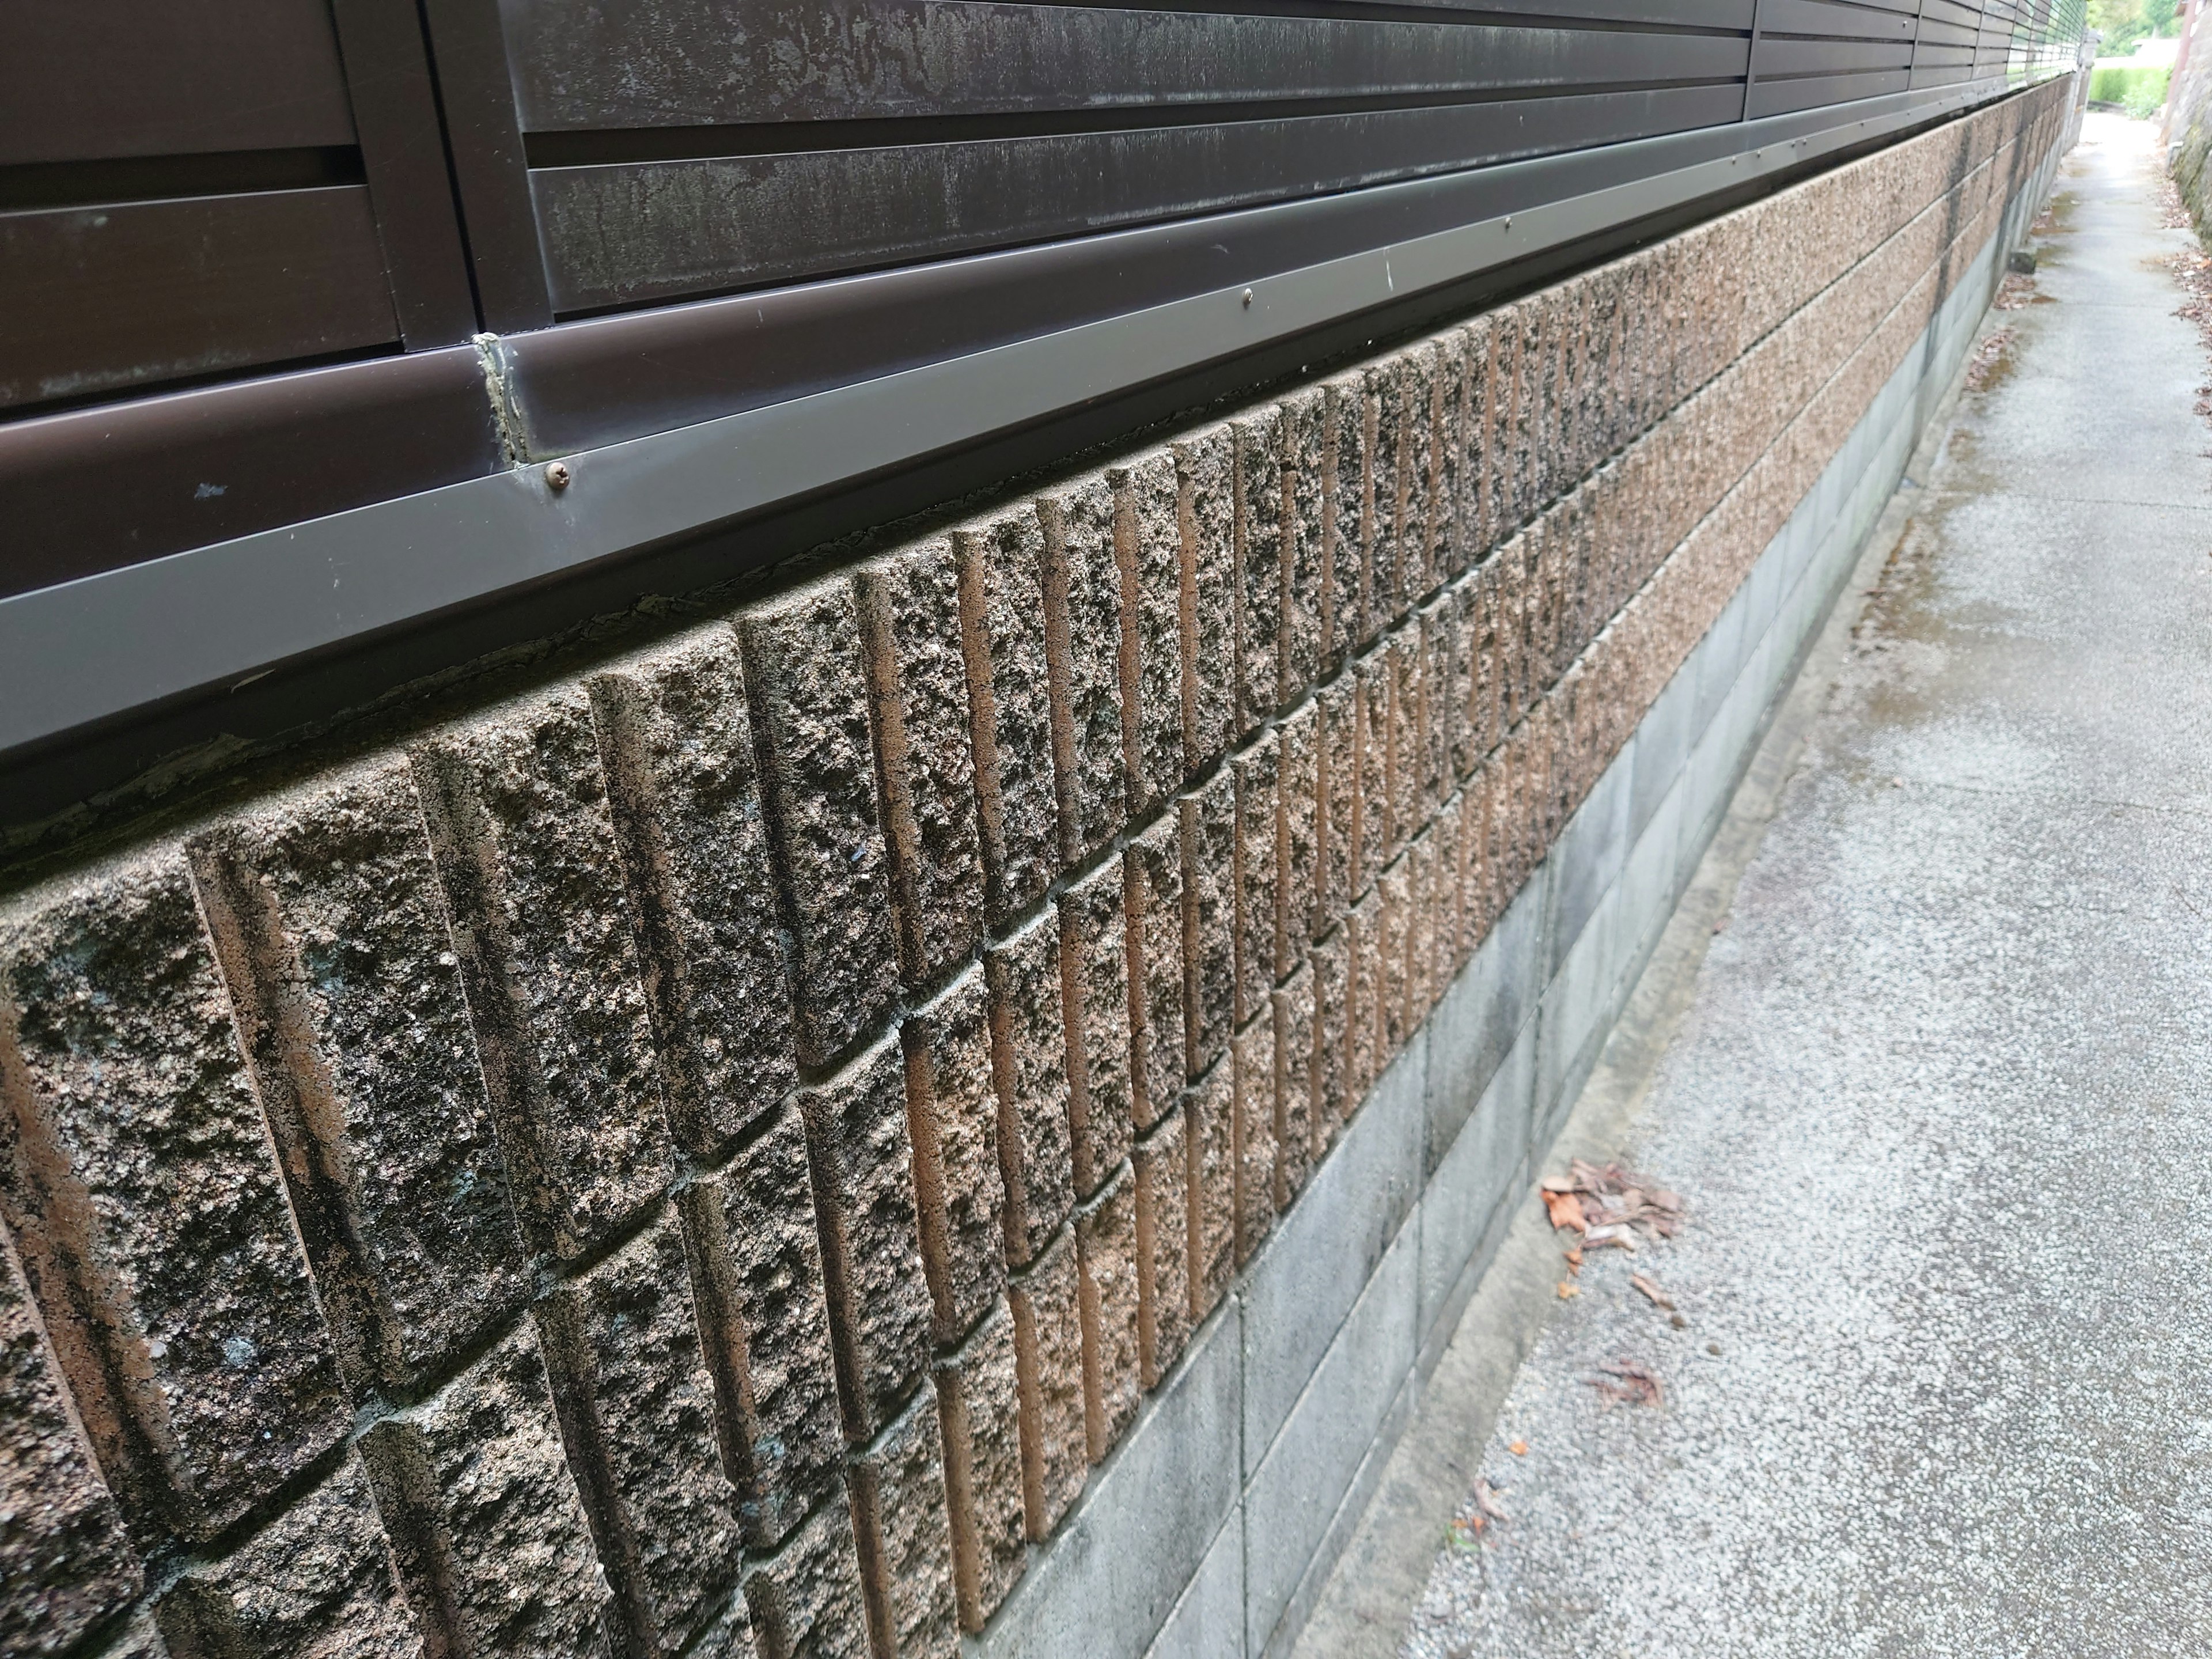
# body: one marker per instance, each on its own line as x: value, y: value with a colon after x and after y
x: 2137, y: 89
x: 2124, y: 22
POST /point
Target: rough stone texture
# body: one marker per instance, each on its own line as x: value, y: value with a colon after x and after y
x: 1336, y: 797
x: 1152, y: 896
x: 1392, y: 998
x: 636, y: 1408
x: 1148, y: 557
x: 524, y: 848
x: 731, y: 1635
x: 320, y: 1582
x: 1028, y: 1074
x: 1452, y: 526
x: 1344, y: 519
x: 1046, y: 1306
x: 1382, y: 586
x: 979, y: 1412
x: 1205, y: 516
x: 682, y: 777
x: 1106, y: 1255
x: 1436, y: 709
x: 1259, y: 529
x: 1259, y: 896
x: 1371, y: 810
x: 327, y: 921
x: 1001, y: 564
x: 1305, y: 463
x: 764, y: 1322
x: 952, y: 1112
x: 808, y: 693
x: 861, y: 1165
x: 1297, y: 845
x: 1210, y: 1151
x: 1082, y: 636
x: 1209, y: 918
x: 1291, y: 1008
x: 1403, y: 759
x: 139, y: 1184
x: 805, y: 1600
x: 1475, y: 480
x: 1253, y: 1086
x: 484, y: 1518
x: 905, y: 1540
x: 1331, y: 1073
x: 65, y: 1562
x: 1362, y: 956
x: 1161, y: 1171
x: 1094, y: 967
x: 909, y: 605
x: 140, y: 1639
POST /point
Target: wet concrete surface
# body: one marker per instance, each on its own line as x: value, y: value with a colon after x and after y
x: 1940, y: 1104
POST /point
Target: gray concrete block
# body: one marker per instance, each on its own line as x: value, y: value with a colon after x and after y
x: 1478, y: 1019
x: 1476, y: 1177
x: 1720, y: 658
x: 1114, y: 1571
x: 1648, y: 889
x: 1308, y: 1277
x: 1294, y: 1494
x: 1586, y: 858
x: 1663, y: 745
x: 1208, y: 1621
x: 1572, y: 1003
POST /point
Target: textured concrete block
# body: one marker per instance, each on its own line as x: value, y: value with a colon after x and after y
x: 1160, y: 1168
x: 1082, y: 638
x: 1148, y: 557
x: 1394, y: 895
x: 636, y: 1409
x: 730, y: 1636
x: 960, y: 1195
x: 1305, y: 463
x: 1382, y: 582
x: 1297, y: 844
x: 860, y: 1161
x: 911, y: 637
x: 1336, y: 796
x: 979, y: 1413
x: 1094, y: 967
x: 1476, y: 481
x: 65, y: 1562
x: 1480, y: 1016
x: 1259, y: 450
x: 1427, y: 904
x: 1001, y: 564
x: 682, y: 780
x: 805, y: 1599
x: 1046, y: 1306
x: 1029, y: 1071
x: 1345, y: 518
x: 327, y: 922
x: 1439, y: 704
x: 1210, y: 1149
x: 1259, y: 894
x: 1253, y: 1132
x: 1106, y: 1256
x: 1370, y: 808
x: 1332, y: 1079
x: 1209, y: 918
x: 1291, y: 1010
x: 1502, y: 423
x: 1417, y: 392
x: 1407, y: 807
x: 318, y: 1580
x: 764, y: 1320
x: 138, y: 1181
x: 1206, y: 514
x: 1152, y: 876
x: 1363, y: 998
x: 904, y: 1538
x: 484, y: 1518
x: 809, y: 697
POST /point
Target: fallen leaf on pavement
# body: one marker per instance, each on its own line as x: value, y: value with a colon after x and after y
x: 1518, y: 1448
x: 1569, y: 1290
x: 1627, y: 1384
x: 1651, y: 1291
x: 1485, y: 1499
x: 1575, y: 1260
x: 1565, y: 1210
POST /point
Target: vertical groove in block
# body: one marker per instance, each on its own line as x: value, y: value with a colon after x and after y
x: 905, y: 1541
x: 1363, y: 945
x: 1001, y: 566
x: 1436, y: 715
x: 1048, y: 1373
x: 1336, y: 798
x: 1257, y: 890
x: 1380, y: 572
x: 1452, y: 528
x: 678, y: 743
x: 1028, y: 1074
x: 1292, y: 1009
x: 138, y: 1180
x: 1298, y: 840
x: 636, y: 1410
x: 911, y: 632
x: 1371, y: 802
x: 1417, y: 532
x: 1331, y: 1063
x: 1148, y: 556
x: 1209, y: 916
x: 1503, y: 422
x: 1478, y: 507
x: 1253, y: 1131
x: 1205, y: 517
x: 325, y: 918
x: 1082, y: 637
x: 858, y: 1155
x: 1344, y: 519
x: 1106, y: 1257
x: 1209, y: 1161
x: 524, y: 847
x: 1160, y: 1170
x: 1259, y: 529
x: 960, y: 1194
x: 807, y: 689
x: 1305, y: 463
x: 979, y: 1413
x: 1401, y: 766
x: 484, y: 1518
x: 66, y: 1564
x: 1094, y: 967
x: 1153, y: 897
x: 756, y: 1262
x: 805, y: 1600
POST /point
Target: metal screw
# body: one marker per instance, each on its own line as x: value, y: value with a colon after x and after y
x: 1248, y: 299
x: 556, y: 474
x: 1509, y: 221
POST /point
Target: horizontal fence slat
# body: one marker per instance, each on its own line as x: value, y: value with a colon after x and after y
x: 1795, y: 57
x: 1821, y: 18
x: 1813, y: 92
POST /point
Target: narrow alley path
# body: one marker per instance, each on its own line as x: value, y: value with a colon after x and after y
x: 1940, y: 1107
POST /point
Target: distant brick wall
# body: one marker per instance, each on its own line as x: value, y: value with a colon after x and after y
x: 705, y: 1157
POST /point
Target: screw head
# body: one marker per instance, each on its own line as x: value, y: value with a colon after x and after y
x: 1248, y: 299
x: 556, y: 474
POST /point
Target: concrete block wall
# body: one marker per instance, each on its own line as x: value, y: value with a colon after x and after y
x: 955, y: 1100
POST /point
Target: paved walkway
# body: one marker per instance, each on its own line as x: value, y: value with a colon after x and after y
x: 1941, y: 1106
